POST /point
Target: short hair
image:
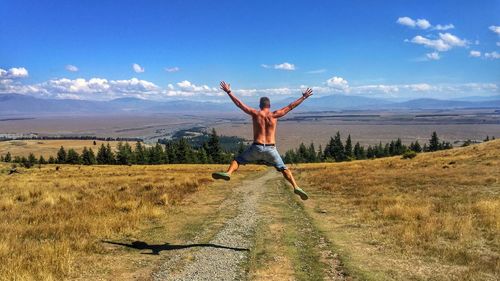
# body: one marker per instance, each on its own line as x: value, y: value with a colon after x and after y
x: 264, y: 102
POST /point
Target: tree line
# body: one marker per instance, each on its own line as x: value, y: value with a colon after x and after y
x: 337, y: 151
x: 71, y: 138
x: 181, y: 151
x: 178, y: 151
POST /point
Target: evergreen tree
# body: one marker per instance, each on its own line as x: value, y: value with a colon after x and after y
x: 214, y: 148
x: 171, y: 151
x: 312, y: 157
x: 8, y: 157
x: 487, y: 138
x: 328, y: 152
x: 289, y: 157
x: 370, y: 152
x: 399, y: 148
x: 61, y: 155
x: 139, y: 154
x: 88, y: 156
x: 416, y: 146
x: 72, y: 157
x: 101, y: 155
x: 348, y: 148
x: 156, y: 154
x: 338, y: 152
x: 31, y: 159
x: 434, y: 144
x: 110, y: 155
x: 42, y: 160
x: 359, y: 151
x: 1, y: 158
x: 202, y: 156
x: 124, y: 154
x: 319, y: 156
x: 301, y: 154
x: 52, y: 160
x: 25, y: 162
x: 184, y: 152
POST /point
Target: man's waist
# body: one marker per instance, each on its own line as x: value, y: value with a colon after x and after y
x: 263, y: 144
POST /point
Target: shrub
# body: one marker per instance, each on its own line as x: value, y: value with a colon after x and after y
x: 409, y: 154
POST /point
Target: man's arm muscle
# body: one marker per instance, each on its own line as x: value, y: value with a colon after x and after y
x: 227, y: 88
x: 282, y: 112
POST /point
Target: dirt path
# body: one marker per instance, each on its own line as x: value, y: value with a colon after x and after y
x: 237, y: 252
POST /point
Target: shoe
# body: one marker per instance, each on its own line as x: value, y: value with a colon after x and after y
x: 301, y: 193
x: 221, y: 175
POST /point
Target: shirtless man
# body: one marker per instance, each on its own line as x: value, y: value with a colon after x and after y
x: 263, y: 148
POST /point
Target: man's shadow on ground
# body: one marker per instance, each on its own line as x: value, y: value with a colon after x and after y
x: 157, y: 248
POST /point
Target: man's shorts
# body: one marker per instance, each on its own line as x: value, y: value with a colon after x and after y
x: 258, y: 153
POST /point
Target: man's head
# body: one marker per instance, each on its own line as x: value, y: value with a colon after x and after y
x: 264, y: 103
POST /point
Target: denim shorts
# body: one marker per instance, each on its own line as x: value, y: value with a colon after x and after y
x: 262, y: 154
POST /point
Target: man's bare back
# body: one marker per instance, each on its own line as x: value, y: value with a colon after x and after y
x: 264, y: 127
x: 263, y: 148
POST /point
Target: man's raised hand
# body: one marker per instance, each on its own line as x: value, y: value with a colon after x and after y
x: 307, y: 93
x: 225, y: 87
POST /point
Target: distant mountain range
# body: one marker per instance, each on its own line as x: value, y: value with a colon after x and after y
x: 12, y: 104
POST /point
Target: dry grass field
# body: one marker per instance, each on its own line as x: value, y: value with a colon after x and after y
x: 434, y: 217
x: 52, y: 222
x: 49, y: 147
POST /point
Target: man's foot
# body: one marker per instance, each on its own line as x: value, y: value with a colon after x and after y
x: 301, y: 193
x: 221, y: 175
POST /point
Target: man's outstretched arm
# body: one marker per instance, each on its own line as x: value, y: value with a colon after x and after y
x: 227, y: 88
x: 282, y: 112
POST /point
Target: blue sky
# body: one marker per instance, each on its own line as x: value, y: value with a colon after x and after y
x: 393, y: 49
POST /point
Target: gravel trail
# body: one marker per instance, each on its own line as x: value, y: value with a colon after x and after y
x: 211, y: 263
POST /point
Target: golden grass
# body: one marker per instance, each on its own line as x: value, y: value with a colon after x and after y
x: 52, y: 222
x: 433, y: 217
x: 49, y: 148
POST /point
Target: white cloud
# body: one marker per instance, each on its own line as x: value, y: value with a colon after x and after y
x: 406, y: 21
x: 172, y: 69
x: 422, y: 87
x: 495, y: 29
x: 338, y: 83
x: 437, y: 44
x: 372, y: 89
x: 186, y: 88
x: 452, y: 40
x: 475, y: 54
x: 281, y: 66
x: 498, y: 44
x: 444, y: 27
x: 267, y: 91
x: 492, y: 55
x: 445, y: 42
x: 137, y: 68
x: 71, y: 68
x: 13, y: 73
x: 423, y: 23
x: 285, y: 66
x: 433, y: 56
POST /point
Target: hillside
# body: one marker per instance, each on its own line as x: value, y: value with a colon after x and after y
x: 433, y: 217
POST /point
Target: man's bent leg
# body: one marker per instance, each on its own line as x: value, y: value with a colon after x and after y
x: 296, y: 189
x: 233, y: 167
x: 289, y: 177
